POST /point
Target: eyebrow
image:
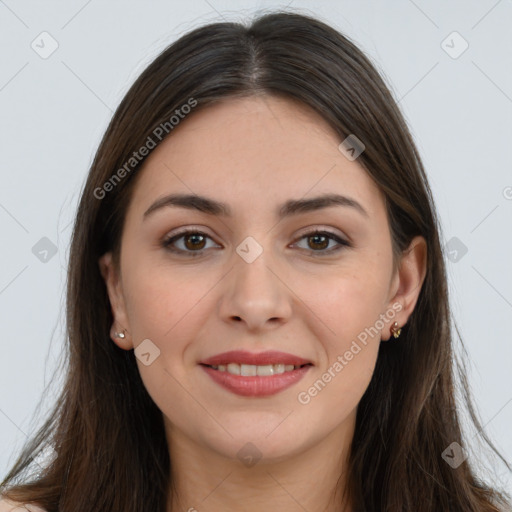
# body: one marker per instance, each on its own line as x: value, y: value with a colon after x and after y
x: 289, y: 208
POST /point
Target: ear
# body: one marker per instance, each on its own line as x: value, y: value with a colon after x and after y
x: 407, y: 283
x: 115, y: 293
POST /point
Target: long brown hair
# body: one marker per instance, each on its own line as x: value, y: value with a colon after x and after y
x: 107, y: 433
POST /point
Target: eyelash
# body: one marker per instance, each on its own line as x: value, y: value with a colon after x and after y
x: 167, y: 243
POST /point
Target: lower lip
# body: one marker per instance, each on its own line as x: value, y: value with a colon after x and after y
x: 256, y: 386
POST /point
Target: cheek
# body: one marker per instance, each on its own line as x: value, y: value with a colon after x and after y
x: 348, y: 306
x: 344, y: 304
x: 168, y: 308
x: 161, y: 300
x: 349, y: 310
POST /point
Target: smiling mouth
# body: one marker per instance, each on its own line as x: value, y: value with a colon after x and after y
x: 250, y: 370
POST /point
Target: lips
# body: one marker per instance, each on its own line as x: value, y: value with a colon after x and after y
x: 270, y: 357
x: 288, y: 370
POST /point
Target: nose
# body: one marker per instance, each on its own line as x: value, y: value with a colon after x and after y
x: 255, y: 294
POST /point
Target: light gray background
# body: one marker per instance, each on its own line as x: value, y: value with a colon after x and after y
x: 54, y: 111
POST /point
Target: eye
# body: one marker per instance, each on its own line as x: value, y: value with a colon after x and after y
x: 194, y: 242
x: 320, y: 240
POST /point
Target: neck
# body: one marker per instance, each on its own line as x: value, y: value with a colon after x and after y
x: 310, y: 479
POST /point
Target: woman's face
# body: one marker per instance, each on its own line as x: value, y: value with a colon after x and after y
x: 253, y: 277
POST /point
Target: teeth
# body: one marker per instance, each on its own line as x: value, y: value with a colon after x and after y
x: 280, y: 368
x: 251, y: 370
x: 233, y: 368
x: 266, y: 370
x: 248, y: 370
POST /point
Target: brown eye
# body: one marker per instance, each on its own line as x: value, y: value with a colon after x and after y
x: 318, y: 242
x: 192, y: 243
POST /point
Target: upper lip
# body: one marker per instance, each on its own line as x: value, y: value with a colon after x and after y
x: 261, y: 358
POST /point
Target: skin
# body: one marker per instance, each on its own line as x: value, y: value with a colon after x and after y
x: 254, y: 154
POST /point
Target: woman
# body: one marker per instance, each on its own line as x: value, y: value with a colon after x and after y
x: 257, y: 302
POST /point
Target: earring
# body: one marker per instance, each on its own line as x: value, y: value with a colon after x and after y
x: 121, y: 335
x: 395, y: 330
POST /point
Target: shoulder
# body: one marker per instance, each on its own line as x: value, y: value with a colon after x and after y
x: 12, y: 506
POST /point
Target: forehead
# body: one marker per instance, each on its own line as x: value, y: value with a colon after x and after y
x: 244, y: 150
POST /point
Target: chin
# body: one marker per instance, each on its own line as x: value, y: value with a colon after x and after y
x: 266, y: 445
